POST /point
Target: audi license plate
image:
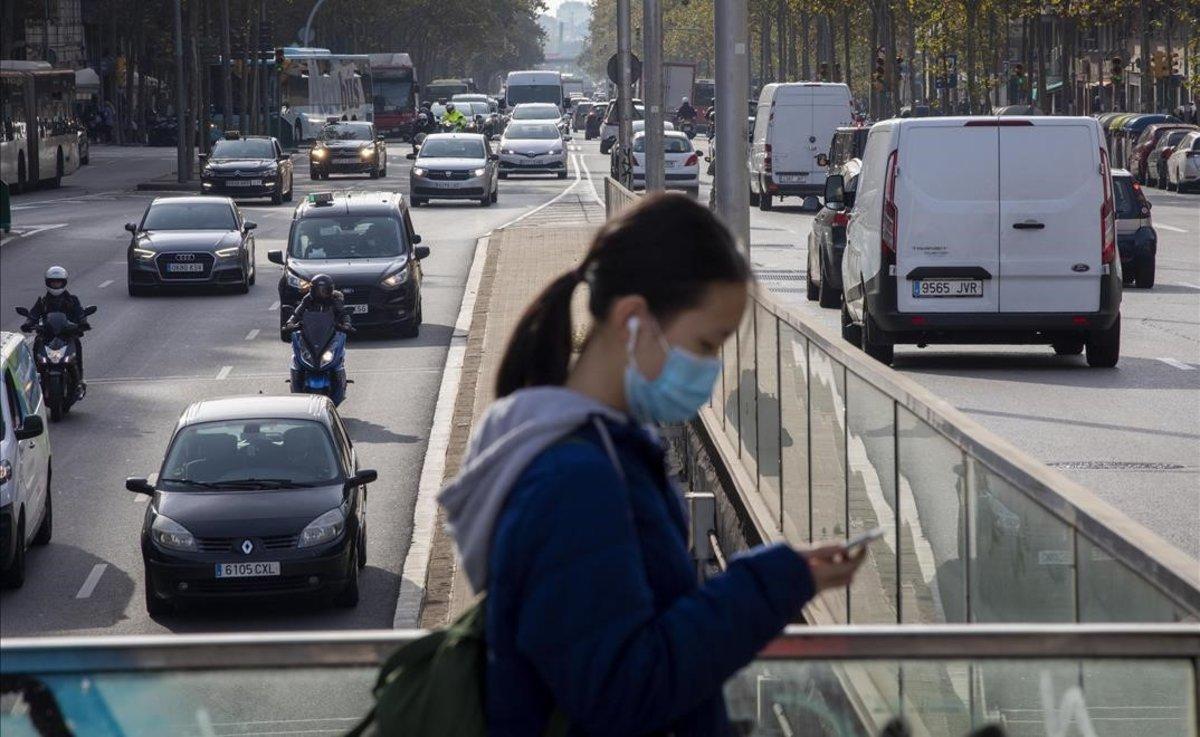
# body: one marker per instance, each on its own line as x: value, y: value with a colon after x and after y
x: 244, y: 183
x: 947, y: 288
x: 247, y: 570
x: 185, y: 267
x: 357, y: 309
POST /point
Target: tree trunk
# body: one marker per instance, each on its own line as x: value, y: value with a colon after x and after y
x: 1147, y: 79
x: 1040, y: 29
x: 972, y: 10
x: 252, y: 45
x: 847, y: 72
x: 806, y: 44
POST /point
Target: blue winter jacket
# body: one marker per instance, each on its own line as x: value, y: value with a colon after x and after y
x: 593, y: 604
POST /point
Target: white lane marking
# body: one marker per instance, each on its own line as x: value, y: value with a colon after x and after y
x: 252, y: 334
x: 274, y: 306
x: 1171, y: 228
x: 224, y: 372
x: 547, y: 203
x: 89, y: 583
x: 19, y: 232
x: 105, y: 283
x: 1188, y: 285
x: 1174, y: 363
x: 591, y: 183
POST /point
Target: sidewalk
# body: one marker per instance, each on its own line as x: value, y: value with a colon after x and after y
x: 520, y: 260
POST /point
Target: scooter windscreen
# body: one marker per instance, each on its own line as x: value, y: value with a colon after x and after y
x: 57, y: 329
x: 317, y: 329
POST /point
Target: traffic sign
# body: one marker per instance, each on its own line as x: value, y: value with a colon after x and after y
x: 635, y: 69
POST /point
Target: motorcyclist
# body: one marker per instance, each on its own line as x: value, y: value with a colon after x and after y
x: 686, y: 111
x: 321, y: 297
x: 453, y: 117
x: 58, y: 299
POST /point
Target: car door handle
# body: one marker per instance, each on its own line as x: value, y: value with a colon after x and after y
x: 1029, y: 225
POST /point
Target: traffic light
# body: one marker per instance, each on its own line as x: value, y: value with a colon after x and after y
x: 279, y: 60
x: 823, y: 71
x: 1116, y: 67
x: 1158, y: 64
x: 1173, y: 64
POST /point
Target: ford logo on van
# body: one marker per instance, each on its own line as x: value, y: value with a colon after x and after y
x: 1080, y: 268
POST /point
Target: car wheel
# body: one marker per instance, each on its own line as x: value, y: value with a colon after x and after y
x: 811, y: 290
x: 383, y: 171
x: 253, y: 272
x: 562, y: 175
x: 874, y: 341
x: 362, y: 548
x: 828, y: 297
x: 1067, y: 347
x: 135, y: 291
x: 1104, y: 349
x: 374, y: 172
x: 851, y: 333
x: 13, y: 577
x: 277, y: 195
x: 155, y: 606
x: 291, y: 191
x: 411, y: 327
x: 314, y: 175
x: 765, y: 201
x: 495, y: 195
x: 753, y: 197
x: 485, y: 201
x: 347, y: 598
x: 244, y: 286
x: 46, y: 529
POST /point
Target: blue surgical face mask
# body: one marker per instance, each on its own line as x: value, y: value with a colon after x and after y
x: 685, y: 384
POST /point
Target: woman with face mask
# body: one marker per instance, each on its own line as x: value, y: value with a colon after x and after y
x: 563, y: 511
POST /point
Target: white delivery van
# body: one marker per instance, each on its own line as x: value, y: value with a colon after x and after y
x: 534, y: 86
x: 983, y: 230
x: 794, y: 124
x: 25, y: 511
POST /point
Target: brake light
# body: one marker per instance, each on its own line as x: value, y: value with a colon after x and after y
x: 841, y: 218
x: 1108, y: 222
x: 887, y: 231
x: 692, y: 160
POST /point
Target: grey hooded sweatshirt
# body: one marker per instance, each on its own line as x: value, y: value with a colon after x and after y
x: 509, y: 435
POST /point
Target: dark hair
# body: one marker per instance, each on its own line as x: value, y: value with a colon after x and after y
x: 666, y: 248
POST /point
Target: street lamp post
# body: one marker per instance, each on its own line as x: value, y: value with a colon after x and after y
x: 624, y: 90
x: 307, y: 40
x: 183, y: 163
x: 733, y: 71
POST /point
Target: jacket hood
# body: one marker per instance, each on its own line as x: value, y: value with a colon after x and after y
x: 509, y: 435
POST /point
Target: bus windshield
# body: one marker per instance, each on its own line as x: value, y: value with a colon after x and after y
x: 392, y: 95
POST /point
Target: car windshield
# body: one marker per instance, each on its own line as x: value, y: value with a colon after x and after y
x: 452, y: 148
x: 1126, y: 199
x: 189, y: 216
x: 1173, y: 138
x: 473, y: 108
x: 250, y: 454
x: 536, y: 112
x: 245, y: 148
x: 1196, y: 144
x: 346, y: 132
x: 531, y: 132
x: 671, y: 145
x: 346, y: 237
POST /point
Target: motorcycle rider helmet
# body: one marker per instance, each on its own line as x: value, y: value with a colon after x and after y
x: 449, y: 107
x: 56, y: 280
x: 685, y: 100
x: 322, y: 287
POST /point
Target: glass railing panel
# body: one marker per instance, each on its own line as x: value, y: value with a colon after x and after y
x: 746, y: 392
x: 933, y: 531
x: 1022, y: 561
x: 729, y: 381
x: 793, y: 399
x: 827, y: 394
x: 871, y: 488
x: 767, y: 360
x: 1110, y: 592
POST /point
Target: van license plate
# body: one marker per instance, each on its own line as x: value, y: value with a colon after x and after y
x: 357, y: 309
x: 947, y: 288
x: 247, y: 570
x: 790, y: 178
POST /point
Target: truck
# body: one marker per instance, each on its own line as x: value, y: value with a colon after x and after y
x: 678, y: 79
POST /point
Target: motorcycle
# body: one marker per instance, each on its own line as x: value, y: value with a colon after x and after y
x: 318, y: 356
x: 689, y: 128
x: 55, y: 353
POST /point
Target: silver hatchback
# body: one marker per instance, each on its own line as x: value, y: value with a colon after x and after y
x: 453, y: 166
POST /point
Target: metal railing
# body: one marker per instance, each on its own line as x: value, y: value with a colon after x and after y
x: 617, y: 197
x: 846, y: 680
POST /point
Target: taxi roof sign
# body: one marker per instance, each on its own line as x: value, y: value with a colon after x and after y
x: 321, y: 199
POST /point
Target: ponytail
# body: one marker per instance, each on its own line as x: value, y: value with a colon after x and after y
x: 666, y: 248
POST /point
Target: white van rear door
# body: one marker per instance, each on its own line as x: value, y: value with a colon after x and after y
x: 791, y: 121
x: 947, y: 213
x: 1051, y: 192
x: 830, y: 110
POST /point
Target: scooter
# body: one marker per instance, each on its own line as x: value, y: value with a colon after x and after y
x: 689, y: 128
x: 57, y: 362
x: 318, y: 356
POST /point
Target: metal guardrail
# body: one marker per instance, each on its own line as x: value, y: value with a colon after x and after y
x: 828, y: 443
x: 617, y: 197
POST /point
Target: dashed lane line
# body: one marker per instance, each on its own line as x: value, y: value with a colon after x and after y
x: 224, y: 372
x: 274, y: 306
x: 252, y: 334
x: 1171, y: 228
x: 1175, y: 363
x: 89, y: 583
x: 104, y: 284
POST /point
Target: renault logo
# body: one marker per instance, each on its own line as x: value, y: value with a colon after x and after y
x: 185, y: 257
x: 247, y: 547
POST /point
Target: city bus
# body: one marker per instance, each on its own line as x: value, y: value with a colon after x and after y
x: 316, y: 85
x: 393, y: 93
x: 39, y: 143
x: 444, y: 89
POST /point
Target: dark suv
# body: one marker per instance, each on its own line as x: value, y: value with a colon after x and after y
x: 366, y: 242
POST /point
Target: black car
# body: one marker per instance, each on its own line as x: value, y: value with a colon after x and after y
x: 848, y: 143
x: 827, y: 241
x: 247, y: 166
x: 257, y: 496
x: 366, y: 242
x: 190, y: 242
x: 348, y: 147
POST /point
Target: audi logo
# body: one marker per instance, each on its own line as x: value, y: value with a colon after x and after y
x: 185, y: 257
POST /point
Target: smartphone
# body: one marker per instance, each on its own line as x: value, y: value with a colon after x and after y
x: 863, y: 538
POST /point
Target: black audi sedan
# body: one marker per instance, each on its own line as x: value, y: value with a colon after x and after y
x: 248, y: 166
x: 258, y: 496
x: 366, y: 242
x: 348, y: 147
x: 190, y: 242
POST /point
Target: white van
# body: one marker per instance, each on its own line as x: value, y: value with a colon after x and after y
x: 25, y: 510
x: 983, y: 230
x: 794, y: 124
x: 534, y: 86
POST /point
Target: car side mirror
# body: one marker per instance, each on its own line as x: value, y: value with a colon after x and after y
x: 411, y: 156
x: 131, y: 227
x: 495, y: 137
x: 275, y: 257
x: 416, y: 238
x: 835, y: 192
x: 381, y: 139
x: 822, y: 160
x: 421, y: 252
x: 364, y: 476
x: 30, y: 428
x: 139, y: 486
x: 88, y: 311
x: 250, y: 225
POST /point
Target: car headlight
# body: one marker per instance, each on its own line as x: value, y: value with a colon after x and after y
x: 169, y: 534
x: 56, y: 355
x: 326, y: 528
x: 394, y: 280
x: 296, y: 282
x: 143, y: 253
x: 228, y: 252
x: 367, y: 153
x: 555, y: 152
x: 479, y: 172
x: 319, y: 153
x: 418, y: 171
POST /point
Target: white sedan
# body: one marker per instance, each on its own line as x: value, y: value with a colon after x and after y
x: 682, y: 169
x: 1183, y: 166
x: 533, y: 148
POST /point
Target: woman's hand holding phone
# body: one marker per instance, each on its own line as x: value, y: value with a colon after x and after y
x: 833, y: 564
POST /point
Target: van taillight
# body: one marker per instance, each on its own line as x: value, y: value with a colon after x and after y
x: 887, y: 229
x: 1108, y: 221
x: 767, y: 158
